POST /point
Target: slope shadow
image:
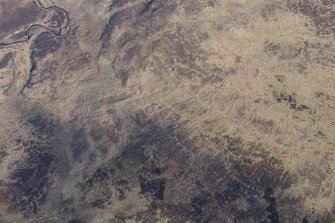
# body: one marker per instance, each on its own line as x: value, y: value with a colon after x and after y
x: 183, y: 181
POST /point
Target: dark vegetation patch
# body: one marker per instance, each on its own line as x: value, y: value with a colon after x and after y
x: 57, y: 19
x: 290, y: 100
x: 4, y: 62
x: 271, y: 48
x: 271, y: 8
x: 19, y: 17
x: 96, y: 131
x: 155, y: 187
x: 181, y: 49
x: 150, y: 7
x: 263, y: 124
x: 280, y: 78
x: 320, y: 12
x: 31, y: 183
x: 79, y: 143
x: 41, y: 126
x: 119, y: 3
x: 184, y: 182
x: 114, y: 20
x: 324, y: 98
x: 30, y: 176
x: 194, y: 8
x: 302, y: 53
x: 272, y: 208
x: 156, y: 8
x: 322, y: 95
x: 46, y: 43
x: 3, y: 153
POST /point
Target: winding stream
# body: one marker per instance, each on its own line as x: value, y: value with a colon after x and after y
x: 27, y: 34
